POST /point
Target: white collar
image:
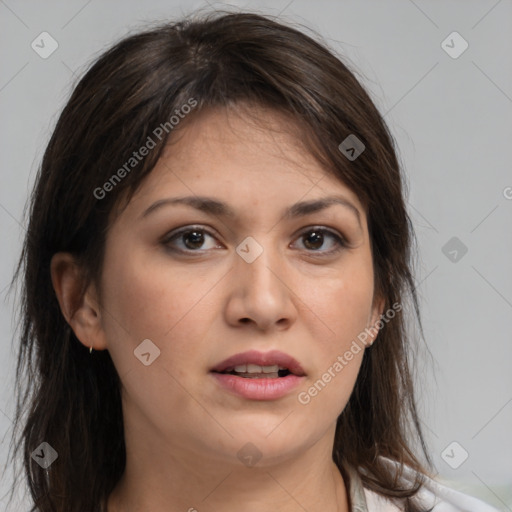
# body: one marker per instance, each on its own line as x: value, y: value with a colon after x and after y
x: 432, y: 495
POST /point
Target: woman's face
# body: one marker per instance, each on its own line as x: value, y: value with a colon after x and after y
x: 187, y: 285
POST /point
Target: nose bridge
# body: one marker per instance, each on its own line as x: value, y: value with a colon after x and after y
x: 259, y: 263
x: 259, y: 283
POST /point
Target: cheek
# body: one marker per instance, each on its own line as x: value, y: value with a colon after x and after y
x: 343, y: 303
x: 147, y: 300
x: 343, y: 306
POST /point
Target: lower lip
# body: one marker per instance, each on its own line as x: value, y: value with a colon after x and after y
x: 258, y: 389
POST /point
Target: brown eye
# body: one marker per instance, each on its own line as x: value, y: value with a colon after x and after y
x: 316, y: 238
x: 191, y: 239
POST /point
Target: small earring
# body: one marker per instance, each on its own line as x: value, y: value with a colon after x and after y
x: 90, y: 350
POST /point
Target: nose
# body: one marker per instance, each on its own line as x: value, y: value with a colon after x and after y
x: 261, y: 294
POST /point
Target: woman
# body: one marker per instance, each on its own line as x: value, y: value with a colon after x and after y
x: 216, y: 282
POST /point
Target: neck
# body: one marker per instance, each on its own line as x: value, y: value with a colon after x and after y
x: 159, y: 477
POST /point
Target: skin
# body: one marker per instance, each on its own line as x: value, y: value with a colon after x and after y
x: 182, y: 430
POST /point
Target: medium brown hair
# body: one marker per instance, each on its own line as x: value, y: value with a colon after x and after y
x: 71, y: 398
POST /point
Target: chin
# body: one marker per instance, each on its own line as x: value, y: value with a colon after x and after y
x: 270, y: 446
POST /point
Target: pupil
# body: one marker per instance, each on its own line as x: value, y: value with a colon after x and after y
x: 197, y: 238
x: 317, y: 237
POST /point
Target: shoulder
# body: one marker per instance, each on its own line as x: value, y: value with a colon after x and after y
x: 433, y: 496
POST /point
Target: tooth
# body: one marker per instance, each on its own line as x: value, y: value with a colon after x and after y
x: 254, y: 368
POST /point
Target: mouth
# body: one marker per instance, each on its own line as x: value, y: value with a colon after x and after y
x: 259, y: 376
x: 258, y: 365
x: 254, y: 371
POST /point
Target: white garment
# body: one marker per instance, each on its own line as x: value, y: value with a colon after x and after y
x: 433, y: 495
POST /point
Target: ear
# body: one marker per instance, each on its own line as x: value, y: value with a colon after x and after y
x: 80, y: 308
x: 373, y: 322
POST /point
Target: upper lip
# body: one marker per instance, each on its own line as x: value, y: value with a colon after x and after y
x: 274, y: 357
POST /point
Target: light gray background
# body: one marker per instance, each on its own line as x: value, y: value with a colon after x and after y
x: 452, y: 121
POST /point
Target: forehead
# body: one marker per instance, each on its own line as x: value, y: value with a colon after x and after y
x: 240, y: 144
x: 249, y: 155
x: 254, y: 139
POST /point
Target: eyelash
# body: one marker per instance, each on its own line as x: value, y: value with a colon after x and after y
x: 342, y: 243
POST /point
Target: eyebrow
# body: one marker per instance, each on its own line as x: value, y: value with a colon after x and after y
x: 221, y: 209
